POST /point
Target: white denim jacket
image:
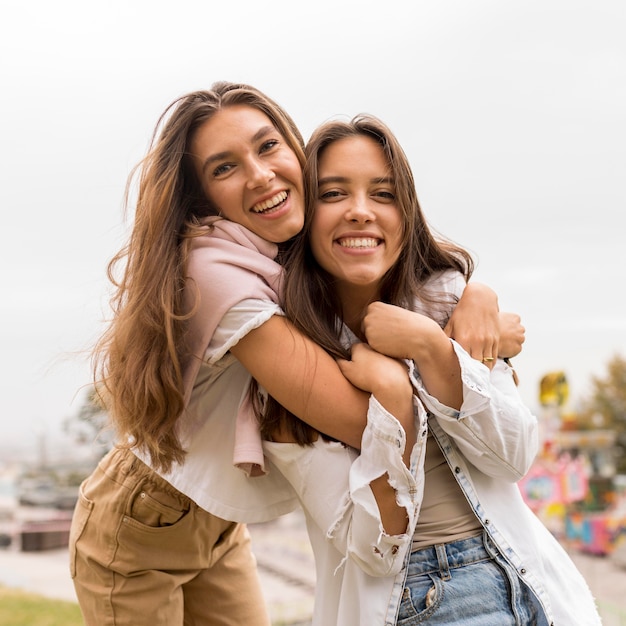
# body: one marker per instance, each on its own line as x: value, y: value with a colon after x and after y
x: 489, y: 444
x: 487, y: 457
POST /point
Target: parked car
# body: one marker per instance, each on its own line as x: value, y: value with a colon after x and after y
x: 46, y: 493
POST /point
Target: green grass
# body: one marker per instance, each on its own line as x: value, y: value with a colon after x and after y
x: 18, y: 608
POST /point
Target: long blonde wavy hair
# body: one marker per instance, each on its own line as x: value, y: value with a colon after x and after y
x: 137, y: 363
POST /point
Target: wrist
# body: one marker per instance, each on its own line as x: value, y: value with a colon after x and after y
x: 429, y: 343
x: 392, y: 387
x: 481, y: 291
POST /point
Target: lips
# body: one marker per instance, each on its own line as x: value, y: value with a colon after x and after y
x: 271, y: 203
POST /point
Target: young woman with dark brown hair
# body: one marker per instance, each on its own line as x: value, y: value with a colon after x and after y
x: 456, y: 544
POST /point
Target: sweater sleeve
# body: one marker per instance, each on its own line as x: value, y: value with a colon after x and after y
x: 237, y: 322
x: 225, y: 267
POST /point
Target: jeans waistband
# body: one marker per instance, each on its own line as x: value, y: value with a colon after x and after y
x: 442, y: 557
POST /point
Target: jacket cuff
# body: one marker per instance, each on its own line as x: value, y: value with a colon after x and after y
x: 475, y: 381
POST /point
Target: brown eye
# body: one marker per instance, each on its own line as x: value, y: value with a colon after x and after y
x: 221, y: 169
x: 331, y: 194
x: 268, y: 145
x: 385, y: 195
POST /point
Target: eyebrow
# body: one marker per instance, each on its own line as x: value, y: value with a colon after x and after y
x: 383, y: 180
x: 262, y: 132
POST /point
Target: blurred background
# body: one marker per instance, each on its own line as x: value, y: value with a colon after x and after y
x: 513, y: 116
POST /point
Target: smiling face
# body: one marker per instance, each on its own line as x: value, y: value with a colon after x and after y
x: 356, y: 229
x: 249, y: 172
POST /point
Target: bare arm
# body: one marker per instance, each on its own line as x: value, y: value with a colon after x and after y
x: 483, y: 330
x: 387, y: 380
x: 305, y: 379
x: 401, y: 333
x: 475, y: 322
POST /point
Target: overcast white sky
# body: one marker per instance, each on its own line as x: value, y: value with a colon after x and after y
x: 513, y: 114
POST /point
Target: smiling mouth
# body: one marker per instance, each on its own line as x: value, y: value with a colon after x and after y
x: 359, y: 242
x: 267, y: 206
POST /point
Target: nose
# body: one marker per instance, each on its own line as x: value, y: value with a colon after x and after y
x: 259, y: 173
x: 359, y: 211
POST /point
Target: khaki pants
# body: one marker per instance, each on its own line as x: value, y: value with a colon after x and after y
x: 143, y: 553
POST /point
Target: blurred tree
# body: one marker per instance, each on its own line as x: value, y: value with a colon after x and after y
x: 607, y: 404
x: 90, y: 425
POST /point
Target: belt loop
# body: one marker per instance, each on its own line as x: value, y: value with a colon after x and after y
x: 442, y: 559
x: 490, y: 546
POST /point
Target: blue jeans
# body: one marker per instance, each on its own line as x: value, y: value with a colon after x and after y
x: 465, y: 582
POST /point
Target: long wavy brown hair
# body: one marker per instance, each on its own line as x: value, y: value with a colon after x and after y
x: 137, y: 363
x: 309, y: 298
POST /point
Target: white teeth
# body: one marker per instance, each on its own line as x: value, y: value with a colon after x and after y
x: 363, y: 242
x: 271, y: 203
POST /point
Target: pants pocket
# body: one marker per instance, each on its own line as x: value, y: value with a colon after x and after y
x: 81, y: 515
x: 420, y: 598
x: 155, y: 507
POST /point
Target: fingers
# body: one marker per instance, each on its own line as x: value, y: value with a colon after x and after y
x: 490, y: 352
x: 488, y: 361
x: 483, y: 348
x: 512, y: 335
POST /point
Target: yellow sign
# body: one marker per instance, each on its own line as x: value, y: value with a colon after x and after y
x: 553, y: 389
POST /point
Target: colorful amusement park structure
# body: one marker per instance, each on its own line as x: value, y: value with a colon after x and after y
x: 572, y: 485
